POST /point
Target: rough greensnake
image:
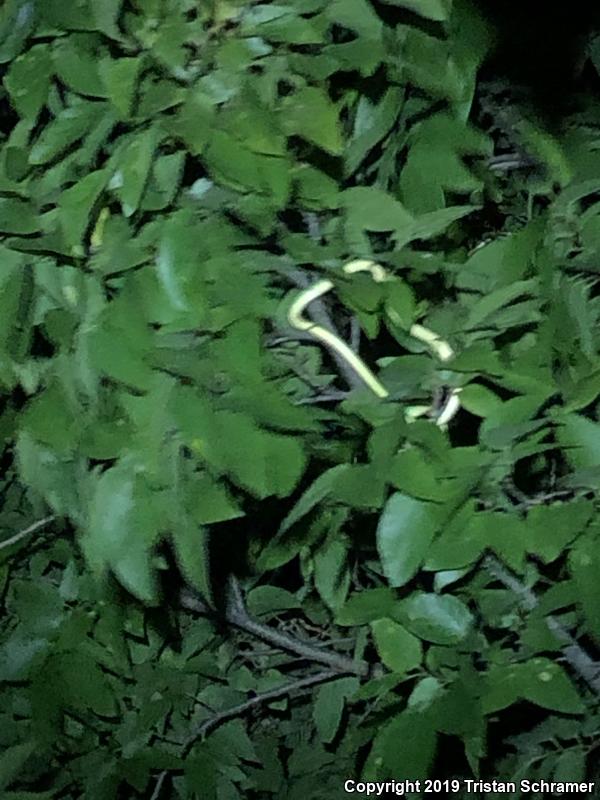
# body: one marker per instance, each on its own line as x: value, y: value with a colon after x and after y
x: 438, y: 346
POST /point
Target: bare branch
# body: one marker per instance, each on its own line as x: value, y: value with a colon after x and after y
x: 327, y: 397
x: 354, y: 334
x: 314, y: 227
x: 36, y: 526
x: 576, y: 656
x: 217, y: 719
x: 236, y: 614
x: 509, y: 161
x: 293, y: 687
x: 159, y: 782
x: 525, y: 501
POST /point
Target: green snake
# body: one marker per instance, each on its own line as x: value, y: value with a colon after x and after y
x: 438, y: 346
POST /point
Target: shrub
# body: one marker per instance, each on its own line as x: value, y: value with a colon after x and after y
x: 228, y: 573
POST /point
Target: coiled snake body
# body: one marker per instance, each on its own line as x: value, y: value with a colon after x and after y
x: 438, y: 346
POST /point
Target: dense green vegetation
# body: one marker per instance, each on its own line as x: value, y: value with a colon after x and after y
x: 228, y: 569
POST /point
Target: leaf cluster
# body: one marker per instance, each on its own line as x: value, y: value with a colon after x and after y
x: 170, y: 173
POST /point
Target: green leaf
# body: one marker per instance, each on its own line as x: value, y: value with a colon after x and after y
x: 212, y: 502
x: 479, y: 400
x: 441, y: 619
x: 225, y: 439
x: 540, y: 681
x: 133, y: 169
x: 400, y: 304
x: 20, y: 654
x: 584, y: 561
x: 512, y: 420
x: 582, y: 393
x: 332, y: 575
x: 434, y: 166
x: 372, y: 122
x: 200, y: 775
x: 76, y: 66
x: 54, y: 476
x: 110, y: 513
x: 405, y: 376
x: 366, y: 606
x: 458, y: 711
x: 425, y: 693
x: 122, y: 529
x: 359, y: 486
x: 437, y: 10
x: 501, y: 687
x: 309, y: 113
x: 553, y: 527
x: 164, y: 181
x: 78, y: 681
x: 254, y: 123
x: 316, y: 492
x: 580, y: 437
x: 427, y: 226
x: 413, y: 475
x: 76, y: 206
x: 482, y: 311
x: 357, y: 15
x: 176, y: 272
x: 238, y: 167
x: 408, y: 738
x: 570, y: 766
x: 16, y: 24
x: 120, y: 79
x: 18, y: 217
x: 194, y: 121
x: 405, y: 531
x: 70, y: 125
x: 173, y: 262
x: 270, y: 600
x: 315, y: 189
x: 462, y: 541
x: 191, y: 550
x: 105, y: 16
x: 28, y: 81
x: 52, y: 419
x: 56, y: 14
x: 280, y: 24
x: 371, y: 209
x: 329, y: 706
x: 398, y: 649
x: 12, y: 761
x: 502, y: 261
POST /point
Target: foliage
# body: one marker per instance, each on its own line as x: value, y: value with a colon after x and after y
x: 170, y: 173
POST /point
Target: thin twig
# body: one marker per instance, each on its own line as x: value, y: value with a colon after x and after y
x: 355, y: 334
x: 287, y: 338
x: 540, y: 499
x: 36, y: 526
x: 313, y: 225
x: 505, y: 162
x: 328, y: 397
x: 575, y: 655
x: 236, y: 614
x: 159, y: 782
x: 527, y: 501
x: 263, y: 697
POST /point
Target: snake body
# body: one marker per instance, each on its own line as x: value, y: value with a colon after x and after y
x: 438, y: 346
